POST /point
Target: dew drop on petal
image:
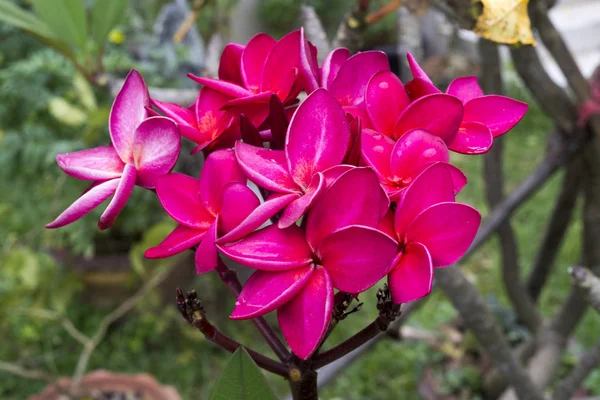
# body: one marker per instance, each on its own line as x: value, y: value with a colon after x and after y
x: 429, y: 153
x: 383, y: 85
x: 378, y: 149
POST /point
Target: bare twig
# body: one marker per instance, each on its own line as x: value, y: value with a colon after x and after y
x: 387, y: 8
x: 26, y: 373
x: 585, y: 279
x: 586, y: 364
x: 63, y: 320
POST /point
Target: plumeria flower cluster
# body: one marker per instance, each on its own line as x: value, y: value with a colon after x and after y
x: 355, y: 181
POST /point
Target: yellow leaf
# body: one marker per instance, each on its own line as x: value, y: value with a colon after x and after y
x: 505, y: 21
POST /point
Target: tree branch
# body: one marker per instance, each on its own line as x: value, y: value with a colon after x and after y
x: 586, y: 280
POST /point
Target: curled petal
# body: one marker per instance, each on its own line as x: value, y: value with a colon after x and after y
x: 271, y: 249
x: 438, y: 114
x: 298, y: 207
x: 91, y: 199
x: 465, y: 88
x: 227, y: 88
x: 253, y: 59
x: 318, y: 137
x: 127, y: 112
x: 357, y: 257
x: 266, y: 291
x: 412, y: 278
x: 156, y: 149
x: 267, y: 168
x: 332, y: 64
x: 126, y: 184
x: 207, y: 257
x: 308, y: 65
x: 498, y: 113
x: 421, y: 85
x: 414, y: 152
x: 182, y: 238
x: 385, y: 99
x: 229, y: 66
x: 179, y: 114
x: 237, y: 203
x: 99, y: 163
x: 220, y: 169
x: 472, y: 138
x: 332, y: 174
x: 446, y: 229
x: 376, y: 150
x: 304, y: 320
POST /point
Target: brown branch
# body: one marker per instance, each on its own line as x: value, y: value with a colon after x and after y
x: 63, y: 320
x: 586, y: 280
x: 386, y: 9
x: 351, y: 32
x: 587, y: 363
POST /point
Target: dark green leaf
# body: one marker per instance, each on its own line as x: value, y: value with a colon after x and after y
x: 66, y: 19
x: 106, y: 14
x: 241, y: 380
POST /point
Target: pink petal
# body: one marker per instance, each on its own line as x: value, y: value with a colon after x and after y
x: 353, y: 155
x: 499, y: 113
x: 332, y: 64
x: 278, y: 121
x: 250, y: 134
x: 298, y: 207
x: 271, y: 249
x: 351, y: 81
x: 224, y: 87
x: 386, y: 225
x: 415, y: 69
x: 357, y: 257
x: 99, y: 163
x: 259, y: 216
x: 278, y: 74
x: 308, y: 65
x: 432, y: 186
x: 267, y: 168
x: 208, y: 110
x: 220, y: 169
x: 305, y: 319
x: 414, y: 152
x: 412, y: 278
x: 438, y: 114
x: 177, y: 113
x: 122, y: 193
x: 207, y: 257
x: 459, y: 179
x: 178, y: 195
x: 229, y: 66
x: 91, y: 199
x: 421, y: 85
x: 385, y: 99
x: 472, y: 138
x: 356, y: 198
x: 266, y: 291
x: 465, y: 88
x: 317, y: 138
x: 156, y: 149
x: 259, y: 98
x: 376, y: 150
x: 237, y: 203
x: 332, y: 174
x: 182, y: 238
x: 127, y: 112
x: 253, y: 59
x: 447, y: 230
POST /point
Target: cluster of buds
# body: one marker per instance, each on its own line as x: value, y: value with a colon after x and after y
x: 355, y: 180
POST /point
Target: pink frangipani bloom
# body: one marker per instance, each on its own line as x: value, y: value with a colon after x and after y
x: 205, y: 208
x: 317, y: 140
x: 485, y: 117
x: 298, y: 270
x: 142, y: 150
x: 432, y: 231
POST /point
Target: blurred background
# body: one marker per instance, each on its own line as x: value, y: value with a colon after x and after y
x: 50, y: 279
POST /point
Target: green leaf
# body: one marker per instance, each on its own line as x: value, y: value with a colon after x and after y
x: 241, y: 380
x: 66, y: 19
x: 106, y: 14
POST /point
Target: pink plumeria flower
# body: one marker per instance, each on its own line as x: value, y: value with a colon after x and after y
x: 432, y: 231
x: 485, y: 117
x: 142, y: 150
x: 204, y: 208
x: 297, y: 271
x: 397, y: 164
x: 317, y: 140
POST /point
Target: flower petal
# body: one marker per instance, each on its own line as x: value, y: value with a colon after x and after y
x: 332, y: 174
x: 414, y: 152
x: 385, y: 99
x: 208, y: 109
x: 465, y: 88
x: 318, y: 137
x: 271, y: 249
x: 278, y: 122
x: 223, y: 87
x: 352, y: 78
x: 127, y: 112
x: 499, y: 113
x: 332, y: 64
x: 278, y: 73
x: 237, y: 203
x: 356, y: 198
x: 177, y: 113
x: 207, y: 257
x: 99, y: 163
x: 309, y: 68
x: 229, y: 65
x: 412, y: 278
x: 178, y: 195
x: 439, y: 114
x: 357, y: 257
x: 91, y: 199
x: 446, y: 229
x: 472, y: 138
x: 376, y: 150
x: 305, y: 319
x: 182, y: 238
x: 253, y: 59
x: 156, y: 149
x: 266, y: 291
x: 220, y: 169
x: 267, y: 168
x: 298, y: 207
x: 432, y: 186
x: 122, y: 193
x: 420, y: 85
